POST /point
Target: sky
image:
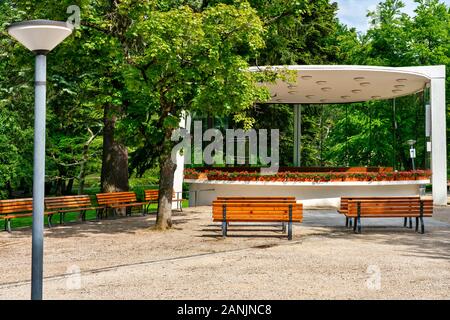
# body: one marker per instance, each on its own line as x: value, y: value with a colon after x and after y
x: 353, y: 12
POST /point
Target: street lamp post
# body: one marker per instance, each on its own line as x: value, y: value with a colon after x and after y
x: 40, y: 37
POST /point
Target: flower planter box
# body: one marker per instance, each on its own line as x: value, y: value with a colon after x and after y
x: 292, y: 176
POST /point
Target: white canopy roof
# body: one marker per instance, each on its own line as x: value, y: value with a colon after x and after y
x: 344, y: 83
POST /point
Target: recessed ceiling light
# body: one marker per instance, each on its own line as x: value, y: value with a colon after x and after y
x: 321, y: 82
x: 306, y: 77
x: 397, y: 91
x: 364, y: 84
x: 402, y: 80
x: 356, y: 91
x: 399, y: 86
x: 345, y: 97
x: 326, y: 89
x: 310, y: 96
x: 376, y: 97
x: 359, y: 79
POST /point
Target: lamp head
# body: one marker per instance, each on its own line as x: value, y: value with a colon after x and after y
x: 40, y: 36
x: 411, y: 142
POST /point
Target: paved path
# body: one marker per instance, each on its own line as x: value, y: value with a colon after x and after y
x: 126, y: 259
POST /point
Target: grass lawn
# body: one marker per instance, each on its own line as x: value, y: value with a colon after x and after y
x: 69, y: 217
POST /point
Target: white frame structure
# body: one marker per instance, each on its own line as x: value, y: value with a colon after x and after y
x: 331, y: 84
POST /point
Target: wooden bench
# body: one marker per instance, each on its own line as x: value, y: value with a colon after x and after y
x: 257, y: 198
x: 257, y: 209
x: 19, y: 208
x: 115, y: 200
x: 152, y: 196
x: 65, y: 204
x: 344, y: 206
x: 395, y: 207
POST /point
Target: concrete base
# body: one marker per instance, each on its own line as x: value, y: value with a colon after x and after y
x: 312, y: 194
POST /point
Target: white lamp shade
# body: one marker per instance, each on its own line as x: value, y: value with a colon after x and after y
x: 40, y: 35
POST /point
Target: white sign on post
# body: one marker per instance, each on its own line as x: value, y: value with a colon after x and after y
x: 412, y: 153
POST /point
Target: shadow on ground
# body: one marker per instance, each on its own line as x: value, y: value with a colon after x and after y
x: 110, y: 225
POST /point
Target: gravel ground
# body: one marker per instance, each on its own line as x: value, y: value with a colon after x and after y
x: 125, y: 259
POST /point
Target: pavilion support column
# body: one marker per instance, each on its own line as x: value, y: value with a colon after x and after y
x: 438, y: 139
x: 297, y: 134
x: 179, y: 171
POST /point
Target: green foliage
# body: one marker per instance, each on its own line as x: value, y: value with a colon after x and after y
x: 150, y: 60
x: 188, y: 61
x: 393, y: 39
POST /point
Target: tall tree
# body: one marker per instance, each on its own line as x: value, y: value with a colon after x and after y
x: 187, y: 61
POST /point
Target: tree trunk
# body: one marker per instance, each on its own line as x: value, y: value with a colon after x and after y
x: 114, y: 176
x: 166, y: 178
x: 82, y: 174
x: 69, y: 187
x: 60, y: 185
x: 9, y: 189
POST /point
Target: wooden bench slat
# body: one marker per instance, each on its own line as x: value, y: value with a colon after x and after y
x: 258, y: 219
x: 386, y: 207
x: 115, y: 200
x: 352, y: 215
x: 253, y: 198
x: 257, y: 209
x: 344, y: 200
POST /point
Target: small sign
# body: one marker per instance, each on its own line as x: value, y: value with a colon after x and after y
x: 428, y: 146
x: 412, y: 153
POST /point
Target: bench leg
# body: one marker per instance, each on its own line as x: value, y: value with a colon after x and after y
x: 348, y: 222
x: 83, y: 215
x: 417, y: 224
x: 224, y: 229
x: 289, y: 230
x: 49, y: 220
x: 8, y: 225
x: 404, y: 222
x: 357, y: 225
x: 283, y: 227
x: 422, y: 226
x: 410, y: 222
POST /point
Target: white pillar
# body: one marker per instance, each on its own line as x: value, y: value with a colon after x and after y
x: 179, y: 171
x: 297, y: 133
x: 436, y: 74
x: 438, y: 139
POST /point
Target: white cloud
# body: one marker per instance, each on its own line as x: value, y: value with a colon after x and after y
x: 354, y: 12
